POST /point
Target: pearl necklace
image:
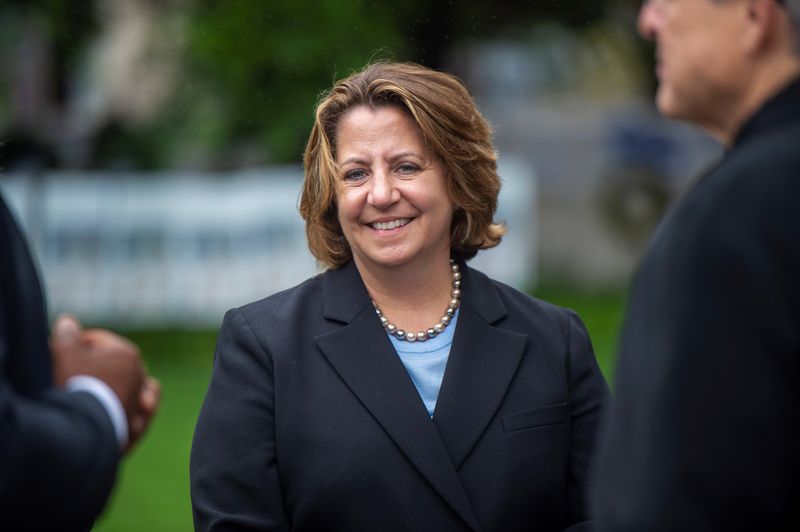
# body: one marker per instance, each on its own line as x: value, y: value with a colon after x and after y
x: 421, y: 336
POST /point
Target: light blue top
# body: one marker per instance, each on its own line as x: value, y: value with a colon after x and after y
x: 425, y: 362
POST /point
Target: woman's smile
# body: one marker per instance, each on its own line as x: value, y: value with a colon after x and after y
x: 396, y: 223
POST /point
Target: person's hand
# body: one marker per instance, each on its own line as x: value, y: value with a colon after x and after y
x: 149, y: 399
x: 112, y: 359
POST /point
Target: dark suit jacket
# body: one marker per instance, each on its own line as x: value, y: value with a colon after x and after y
x: 704, y: 432
x: 58, y: 451
x: 312, y: 423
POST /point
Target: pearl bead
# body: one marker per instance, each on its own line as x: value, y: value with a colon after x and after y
x: 421, y: 336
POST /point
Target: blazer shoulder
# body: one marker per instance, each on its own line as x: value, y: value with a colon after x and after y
x: 281, y: 305
x: 524, y: 309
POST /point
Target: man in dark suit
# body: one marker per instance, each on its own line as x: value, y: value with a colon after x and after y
x: 705, y: 430
x: 68, y: 411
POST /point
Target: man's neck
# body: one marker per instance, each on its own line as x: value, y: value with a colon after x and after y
x: 769, y: 80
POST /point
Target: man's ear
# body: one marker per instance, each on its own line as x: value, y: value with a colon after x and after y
x: 761, y: 25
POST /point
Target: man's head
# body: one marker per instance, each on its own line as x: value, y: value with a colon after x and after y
x: 718, y: 60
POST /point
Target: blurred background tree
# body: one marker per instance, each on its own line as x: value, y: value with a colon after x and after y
x: 206, y: 84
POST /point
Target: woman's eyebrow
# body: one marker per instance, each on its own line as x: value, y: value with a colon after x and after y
x: 405, y: 154
x: 353, y: 160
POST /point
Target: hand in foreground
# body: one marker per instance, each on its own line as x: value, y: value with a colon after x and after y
x: 149, y: 399
x: 112, y: 359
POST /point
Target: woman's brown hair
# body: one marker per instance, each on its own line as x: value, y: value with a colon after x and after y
x: 453, y: 130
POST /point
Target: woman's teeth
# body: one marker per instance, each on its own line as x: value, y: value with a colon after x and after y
x: 384, y: 226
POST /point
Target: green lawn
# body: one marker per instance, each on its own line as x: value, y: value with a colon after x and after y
x: 152, y: 492
x: 601, y: 312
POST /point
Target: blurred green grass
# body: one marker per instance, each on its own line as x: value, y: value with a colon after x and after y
x: 152, y: 492
x: 602, y: 312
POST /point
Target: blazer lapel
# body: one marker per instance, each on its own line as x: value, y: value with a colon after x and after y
x: 483, y: 360
x: 363, y: 357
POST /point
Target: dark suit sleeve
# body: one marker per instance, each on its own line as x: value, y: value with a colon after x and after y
x: 58, y: 450
x: 234, y: 476
x: 704, y: 432
x: 588, y: 395
x: 58, y: 458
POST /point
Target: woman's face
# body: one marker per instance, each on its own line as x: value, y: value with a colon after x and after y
x: 392, y: 200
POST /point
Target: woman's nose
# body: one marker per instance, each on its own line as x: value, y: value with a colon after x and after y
x: 383, y: 191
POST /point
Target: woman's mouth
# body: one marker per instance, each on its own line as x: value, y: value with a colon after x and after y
x: 392, y: 224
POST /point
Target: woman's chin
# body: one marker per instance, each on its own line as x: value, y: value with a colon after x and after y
x: 390, y: 258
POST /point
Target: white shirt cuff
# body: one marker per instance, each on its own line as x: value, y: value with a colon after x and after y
x: 107, y: 398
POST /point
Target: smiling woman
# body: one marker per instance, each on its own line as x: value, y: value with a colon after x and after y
x: 401, y: 389
x: 445, y: 119
x: 392, y: 199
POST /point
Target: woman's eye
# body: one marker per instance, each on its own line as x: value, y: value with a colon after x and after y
x: 355, y: 175
x: 407, y: 168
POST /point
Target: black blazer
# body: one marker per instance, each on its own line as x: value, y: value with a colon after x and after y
x: 312, y: 423
x: 58, y: 451
x: 704, y: 432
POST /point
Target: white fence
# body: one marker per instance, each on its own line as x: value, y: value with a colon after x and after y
x: 176, y: 249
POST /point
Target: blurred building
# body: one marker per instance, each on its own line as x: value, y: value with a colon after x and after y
x: 168, y: 249
x: 162, y: 249
x: 573, y: 109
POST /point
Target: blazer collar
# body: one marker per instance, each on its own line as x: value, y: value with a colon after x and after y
x: 483, y: 360
x: 480, y: 294
x: 344, y: 295
x: 780, y: 109
x: 364, y: 358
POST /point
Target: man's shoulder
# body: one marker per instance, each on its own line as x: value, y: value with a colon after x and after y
x: 772, y: 154
x: 753, y: 187
x: 747, y: 206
